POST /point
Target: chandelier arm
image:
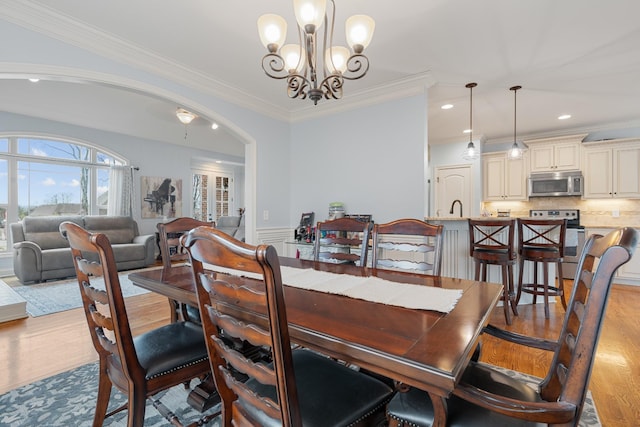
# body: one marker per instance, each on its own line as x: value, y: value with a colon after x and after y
x: 274, y: 66
x: 332, y: 86
x: 357, y: 67
x: 297, y: 86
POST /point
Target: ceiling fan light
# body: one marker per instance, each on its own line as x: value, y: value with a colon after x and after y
x: 272, y: 29
x: 185, y: 116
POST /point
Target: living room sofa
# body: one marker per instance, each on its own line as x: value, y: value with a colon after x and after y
x: 41, y: 253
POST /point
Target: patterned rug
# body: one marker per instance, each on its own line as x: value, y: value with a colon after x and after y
x: 68, y: 399
x: 52, y: 297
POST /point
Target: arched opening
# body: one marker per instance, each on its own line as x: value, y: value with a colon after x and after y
x: 119, y: 85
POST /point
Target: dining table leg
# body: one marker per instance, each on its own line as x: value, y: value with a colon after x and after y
x: 439, y: 410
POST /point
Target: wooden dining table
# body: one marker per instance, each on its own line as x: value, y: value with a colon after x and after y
x: 420, y: 348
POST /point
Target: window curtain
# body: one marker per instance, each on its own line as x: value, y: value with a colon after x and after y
x: 120, y: 201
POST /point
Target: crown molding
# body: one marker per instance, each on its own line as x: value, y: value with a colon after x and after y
x: 49, y: 22
x: 401, y: 88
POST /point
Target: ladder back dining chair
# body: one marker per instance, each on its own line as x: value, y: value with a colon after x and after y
x: 487, y: 396
x: 408, y: 244
x: 140, y: 366
x: 300, y: 387
x: 343, y: 240
x: 173, y: 254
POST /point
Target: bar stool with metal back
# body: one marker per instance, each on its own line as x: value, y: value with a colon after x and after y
x: 541, y: 241
x: 492, y: 243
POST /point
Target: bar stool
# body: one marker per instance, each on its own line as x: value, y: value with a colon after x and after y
x: 492, y: 243
x: 541, y: 241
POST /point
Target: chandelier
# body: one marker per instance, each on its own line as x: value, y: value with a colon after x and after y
x: 310, y: 71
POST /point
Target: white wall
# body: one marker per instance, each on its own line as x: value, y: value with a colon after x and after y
x: 451, y: 154
x: 371, y: 159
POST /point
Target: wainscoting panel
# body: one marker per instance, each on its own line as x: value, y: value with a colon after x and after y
x: 277, y: 238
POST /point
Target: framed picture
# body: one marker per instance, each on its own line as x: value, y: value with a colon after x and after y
x: 161, y: 197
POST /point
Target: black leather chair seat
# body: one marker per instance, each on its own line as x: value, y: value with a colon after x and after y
x: 169, y: 347
x: 414, y: 407
x: 328, y: 393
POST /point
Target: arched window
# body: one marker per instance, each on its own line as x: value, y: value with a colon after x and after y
x: 45, y: 176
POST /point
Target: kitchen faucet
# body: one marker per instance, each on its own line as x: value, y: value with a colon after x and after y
x: 453, y: 204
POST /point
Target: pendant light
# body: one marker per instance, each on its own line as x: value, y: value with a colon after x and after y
x: 471, y: 153
x: 515, y: 152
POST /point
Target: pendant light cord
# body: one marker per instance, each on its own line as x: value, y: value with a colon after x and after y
x: 471, y: 86
x: 515, y: 90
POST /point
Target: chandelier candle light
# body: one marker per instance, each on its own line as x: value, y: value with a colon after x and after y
x: 299, y: 63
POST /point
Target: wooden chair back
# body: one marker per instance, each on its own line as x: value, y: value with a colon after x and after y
x: 570, y: 369
x: 171, y: 249
x: 560, y: 396
x: 152, y: 362
x: 408, y: 244
x: 103, y: 304
x: 492, y: 240
x: 218, y: 297
x: 543, y: 235
x: 343, y: 240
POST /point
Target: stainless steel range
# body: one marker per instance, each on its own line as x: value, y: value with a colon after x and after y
x: 573, y: 240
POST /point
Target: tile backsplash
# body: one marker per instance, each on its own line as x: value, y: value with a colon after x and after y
x: 593, y: 213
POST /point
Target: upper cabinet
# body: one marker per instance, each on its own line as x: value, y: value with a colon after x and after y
x: 611, y: 169
x: 555, y: 154
x: 504, y: 178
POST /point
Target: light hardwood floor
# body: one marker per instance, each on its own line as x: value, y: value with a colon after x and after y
x: 36, y: 348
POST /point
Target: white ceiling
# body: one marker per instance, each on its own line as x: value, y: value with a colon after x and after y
x: 578, y: 57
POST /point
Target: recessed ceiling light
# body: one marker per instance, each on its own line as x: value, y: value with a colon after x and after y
x: 34, y: 80
x: 214, y: 126
x: 466, y: 131
x: 447, y: 106
x: 564, y: 117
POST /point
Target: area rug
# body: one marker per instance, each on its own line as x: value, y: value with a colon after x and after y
x: 52, y: 297
x: 68, y: 400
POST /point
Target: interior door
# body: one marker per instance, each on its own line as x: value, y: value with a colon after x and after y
x: 452, y: 183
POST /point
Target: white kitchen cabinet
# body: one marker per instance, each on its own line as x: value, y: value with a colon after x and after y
x: 629, y: 273
x: 504, y: 178
x: 612, y: 169
x: 555, y: 154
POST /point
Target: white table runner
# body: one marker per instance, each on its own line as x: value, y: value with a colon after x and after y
x: 371, y: 289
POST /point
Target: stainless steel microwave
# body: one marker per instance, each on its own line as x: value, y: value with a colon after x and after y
x: 554, y: 184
